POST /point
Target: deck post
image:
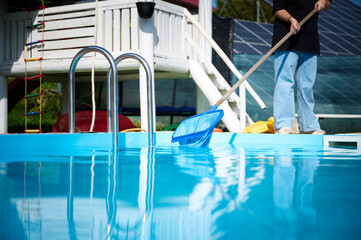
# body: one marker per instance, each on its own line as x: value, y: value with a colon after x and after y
x: 2, y: 30
x: 205, y: 20
x: 146, y: 49
x: 3, y: 105
x: 3, y: 80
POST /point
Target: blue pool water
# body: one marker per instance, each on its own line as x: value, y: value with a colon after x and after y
x: 228, y: 191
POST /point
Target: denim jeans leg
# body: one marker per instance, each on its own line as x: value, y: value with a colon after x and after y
x: 285, y: 64
x: 305, y: 79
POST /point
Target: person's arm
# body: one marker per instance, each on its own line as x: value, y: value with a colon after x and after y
x: 322, y: 5
x: 286, y: 17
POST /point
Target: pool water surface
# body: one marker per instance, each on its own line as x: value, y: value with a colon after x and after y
x: 236, y: 191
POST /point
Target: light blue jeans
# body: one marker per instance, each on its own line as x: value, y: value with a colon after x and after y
x: 295, y: 71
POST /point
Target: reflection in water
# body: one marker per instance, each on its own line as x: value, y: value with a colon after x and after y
x: 111, y: 195
x: 145, y: 195
x: 31, y: 210
x: 179, y: 193
x: 223, y: 185
x: 292, y: 194
x: 70, y: 203
x: 91, y: 230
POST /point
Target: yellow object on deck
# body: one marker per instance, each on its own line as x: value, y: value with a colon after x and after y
x: 261, y: 127
x: 133, y: 130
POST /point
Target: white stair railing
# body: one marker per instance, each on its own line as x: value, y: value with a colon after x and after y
x: 221, y: 83
x: 220, y: 80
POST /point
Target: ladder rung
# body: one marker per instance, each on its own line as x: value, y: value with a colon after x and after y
x: 32, y: 130
x: 33, y: 113
x: 33, y: 77
x: 32, y: 43
x: 32, y: 59
x: 33, y: 95
x: 35, y: 25
x: 38, y: 8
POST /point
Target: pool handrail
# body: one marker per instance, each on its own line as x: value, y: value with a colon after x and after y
x: 148, y: 71
x: 112, y: 91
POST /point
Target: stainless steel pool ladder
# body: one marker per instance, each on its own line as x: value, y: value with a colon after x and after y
x: 112, y: 92
x: 148, y: 71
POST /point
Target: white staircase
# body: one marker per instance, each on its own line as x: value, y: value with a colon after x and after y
x: 212, y: 84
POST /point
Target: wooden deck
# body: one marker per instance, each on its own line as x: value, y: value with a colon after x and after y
x: 112, y: 25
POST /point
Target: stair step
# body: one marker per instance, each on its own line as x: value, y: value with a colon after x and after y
x: 32, y: 43
x: 35, y: 25
x: 230, y: 99
x: 234, y: 107
x: 33, y: 95
x: 33, y: 113
x: 33, y: 130
x: 33, y: 59
x: 33, y: 77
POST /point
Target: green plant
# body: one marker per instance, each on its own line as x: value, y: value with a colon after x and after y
x: 51, y: 108
x: 244, y: 9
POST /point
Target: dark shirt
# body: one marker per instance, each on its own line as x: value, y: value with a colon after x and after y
x: 306, y: 40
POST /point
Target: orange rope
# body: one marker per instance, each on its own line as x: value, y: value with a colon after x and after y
x: 41, y: 55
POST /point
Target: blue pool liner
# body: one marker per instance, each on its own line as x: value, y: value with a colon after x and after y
x: 13, y: 146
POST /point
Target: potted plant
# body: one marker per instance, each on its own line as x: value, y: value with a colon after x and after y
x: 145, y: 8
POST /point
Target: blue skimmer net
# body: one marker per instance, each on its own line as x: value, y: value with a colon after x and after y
x: 196, y: 131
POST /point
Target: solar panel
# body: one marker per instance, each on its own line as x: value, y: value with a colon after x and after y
x: 351, y: 49
x: 255, y: 27
x: 334, y: 37
x: 266, y: 37
x: 339, y: 29
x: 245, y: 32
x: 268, y: 27
x: 245, y: 48
x: 246, y: 36
x: 262, y: 48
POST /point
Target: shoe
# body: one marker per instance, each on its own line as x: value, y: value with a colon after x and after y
x: 316, y: 132
x: 284, y: 130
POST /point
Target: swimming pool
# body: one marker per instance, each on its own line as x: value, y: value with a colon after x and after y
x: 244, y: 186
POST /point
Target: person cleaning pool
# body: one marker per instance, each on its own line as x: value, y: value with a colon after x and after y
x: 296, y: 64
